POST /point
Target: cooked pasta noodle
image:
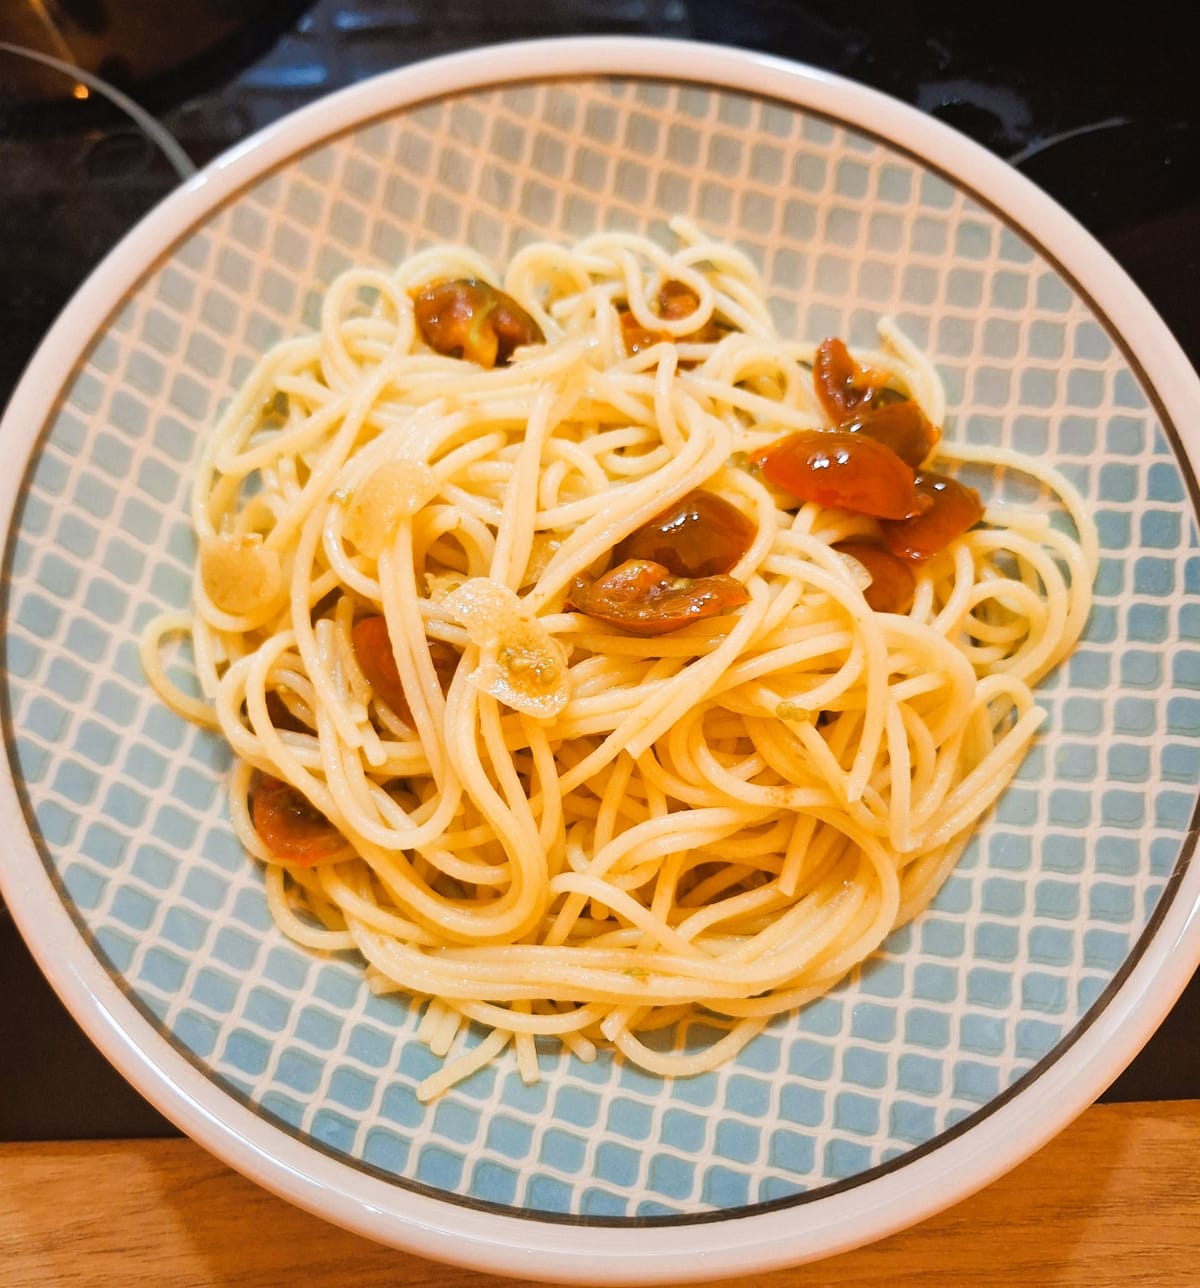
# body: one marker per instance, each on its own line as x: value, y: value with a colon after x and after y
x: 576, y: 834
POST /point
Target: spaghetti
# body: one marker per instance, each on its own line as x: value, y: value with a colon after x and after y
x: 563, y: 689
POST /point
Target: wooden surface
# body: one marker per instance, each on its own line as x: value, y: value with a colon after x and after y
x: 1114, y: 1200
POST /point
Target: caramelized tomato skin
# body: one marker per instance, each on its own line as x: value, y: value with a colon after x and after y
x: 643, y: 598
x: 701, y: 535
x: 292, y: 829
x: 637, y: 337
x: 843, y: 387
x: 900, y: 425
x: 951, y: 508
x: 836, y: 468
x: 281, y: 715
x: 892, y: 581
x: 471, y: 319
x: 674, y: 301
x: 373, y: 651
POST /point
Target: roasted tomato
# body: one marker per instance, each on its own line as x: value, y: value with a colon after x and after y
x: 843, y: 386
x: 288, y: 824
x: 836, y: 468
x: 445, y: 658
x: 373, y: 650
x: 900, y: 425
x: 638, y: 337
x: 951, y: 508
x: 699, y: 536
x: 467, y: 318
x: 281, y: 715
x: 892, y: 581
x: 644, y: 598
x: 674, y: 301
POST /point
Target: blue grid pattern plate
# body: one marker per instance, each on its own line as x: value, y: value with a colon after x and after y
x: 1066, y: 932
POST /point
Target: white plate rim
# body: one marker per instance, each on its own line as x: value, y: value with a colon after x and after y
x: 957, y: 1163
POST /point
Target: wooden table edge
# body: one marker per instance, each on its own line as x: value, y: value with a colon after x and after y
x: 1114, y: 1199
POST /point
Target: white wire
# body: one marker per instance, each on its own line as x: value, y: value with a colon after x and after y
x: 178, y: 158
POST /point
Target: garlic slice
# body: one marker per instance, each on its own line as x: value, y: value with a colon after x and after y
x: 240, y: 575
x: 520, y: 663
x: 392, y: 493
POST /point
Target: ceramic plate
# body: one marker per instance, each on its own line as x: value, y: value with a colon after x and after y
x: 1048, y: 958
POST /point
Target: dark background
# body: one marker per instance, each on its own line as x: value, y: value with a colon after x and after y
x: 1098, y: 107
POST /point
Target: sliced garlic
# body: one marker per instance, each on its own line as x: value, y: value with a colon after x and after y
x: 520, y: 663
x: 393, y: 492
x: 545, y: 546
x: 240, y: 575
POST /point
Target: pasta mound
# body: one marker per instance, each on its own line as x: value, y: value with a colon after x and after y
x: 521, y: 814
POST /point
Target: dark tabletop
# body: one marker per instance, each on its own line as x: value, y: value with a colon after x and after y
x: 1100, y: 111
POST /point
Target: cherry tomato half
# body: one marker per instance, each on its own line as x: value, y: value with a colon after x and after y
x: 281, y: 714
x: 700, y: 535
x: 293, y: 829
x: 644, y: 598
x: 836, y: 468
x: 892, y: 581
x: 470, y: 319
x: 951, y: 509
x: 842, y: 385
x: 674, y: 301
x: 373, y: 650
x: 900, y: 425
